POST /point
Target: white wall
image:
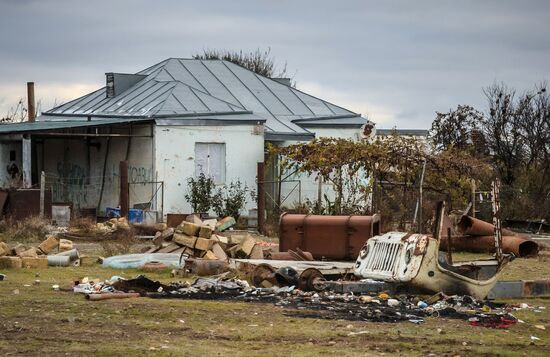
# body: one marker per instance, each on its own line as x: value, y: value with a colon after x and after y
x: 66, y: 167
x: 175, y: 162
x: 8, y: 180
x: 309, y: 185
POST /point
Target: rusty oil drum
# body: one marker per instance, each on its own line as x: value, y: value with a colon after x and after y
x: 327, y: 237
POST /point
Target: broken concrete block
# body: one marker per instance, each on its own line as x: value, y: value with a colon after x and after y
x: 190, y: 229
x: 237, y: 238
x: 49, y: 244
x: 219, y: 252
x: 194, y: 218
x: 257, y: 252
x: 210, y: 255
x: 225, y: 224
x: 232, y: 251
x: 205, y: 232
x: 18, y: 249
x: 88, y: 260
x: 185, y: 240
x: 165, y: 235
x: 204, y: 244
x: 4, y: 249
x: 169, y: 248
x: 210, y: 223
x: 158, y: 239
x: 247, y: 246
x: 10, y: 262
x: 65, y: 245
x: 31, y: 252
x: 34, y: 263
x: 179, y: 250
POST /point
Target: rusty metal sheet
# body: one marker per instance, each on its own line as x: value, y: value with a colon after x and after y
x: 25, y: 203
x: 327, y: 237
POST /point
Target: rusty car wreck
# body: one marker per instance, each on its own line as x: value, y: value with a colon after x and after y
x: 414, y: 262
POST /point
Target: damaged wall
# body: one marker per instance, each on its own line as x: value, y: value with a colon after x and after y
x: 74, y: 167
x: 11, y: 168
x: 175, y: 158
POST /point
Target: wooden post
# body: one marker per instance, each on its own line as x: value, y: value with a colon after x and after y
x: 473, y: 198
x: 124, y: 190
x: 449, y: 247
x: 319, y: 193
x: 261, y: 198
x: 42, y: 192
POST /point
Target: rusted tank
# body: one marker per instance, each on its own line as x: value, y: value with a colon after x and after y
x: 327, y: 237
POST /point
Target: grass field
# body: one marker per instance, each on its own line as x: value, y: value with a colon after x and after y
x: 40, y: 321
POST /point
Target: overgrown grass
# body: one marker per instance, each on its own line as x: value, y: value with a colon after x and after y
x: 41, y: 321
x: 32, y: 229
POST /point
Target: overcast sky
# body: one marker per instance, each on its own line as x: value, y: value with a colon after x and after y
x: 397, y: 62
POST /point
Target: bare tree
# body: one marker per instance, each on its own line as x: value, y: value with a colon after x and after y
x: 258, y: 61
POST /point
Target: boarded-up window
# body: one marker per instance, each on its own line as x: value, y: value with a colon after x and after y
x: 210, y: 160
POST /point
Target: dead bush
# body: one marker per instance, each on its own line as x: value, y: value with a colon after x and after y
x: 122, y: 243
x: 32, y: 229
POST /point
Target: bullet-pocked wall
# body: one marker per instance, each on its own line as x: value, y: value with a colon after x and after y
x: 85, y: 171
x: 229, y: 152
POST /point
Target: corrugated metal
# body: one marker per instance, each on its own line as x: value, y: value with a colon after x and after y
x: 56, y: 125
x: 184, y: 86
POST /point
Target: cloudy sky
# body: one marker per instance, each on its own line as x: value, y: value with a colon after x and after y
x: 397, y: 62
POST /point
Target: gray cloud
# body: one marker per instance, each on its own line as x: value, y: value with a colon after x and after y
x: 398, y: 61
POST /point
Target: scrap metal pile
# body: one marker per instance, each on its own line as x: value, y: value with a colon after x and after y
x: 51, y: 252
x: 330, y: 305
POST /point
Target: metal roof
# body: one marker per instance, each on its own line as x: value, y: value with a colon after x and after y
x: 25, y: 127
x: 179, y: 86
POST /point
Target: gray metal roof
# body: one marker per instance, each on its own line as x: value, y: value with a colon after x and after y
x: 25, y: 127
x: 178, y: 86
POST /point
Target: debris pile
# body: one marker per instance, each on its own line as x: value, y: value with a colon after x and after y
x: 204, y: 239
x: 51, y: 252
x: 87, y: 229
x: 346, y: 306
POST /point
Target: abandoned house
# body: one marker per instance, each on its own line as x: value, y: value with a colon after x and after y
x: 171, y: 121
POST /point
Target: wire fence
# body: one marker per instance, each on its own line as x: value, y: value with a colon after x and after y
x: 100, y: 192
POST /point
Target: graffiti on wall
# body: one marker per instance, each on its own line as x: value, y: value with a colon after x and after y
x: 70, y: 185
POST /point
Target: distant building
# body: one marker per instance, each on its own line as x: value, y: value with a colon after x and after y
x: 171, y: 121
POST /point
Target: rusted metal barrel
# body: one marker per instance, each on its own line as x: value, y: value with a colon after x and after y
x: 329, y: 237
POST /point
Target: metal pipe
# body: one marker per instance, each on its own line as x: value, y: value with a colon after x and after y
x: 261, y: 197
x: 59, y: 260
x: 108, y: 296
x: 124, y: 189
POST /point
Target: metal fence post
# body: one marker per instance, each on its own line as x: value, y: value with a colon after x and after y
x: 261, y: 198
